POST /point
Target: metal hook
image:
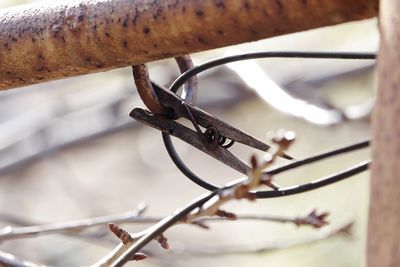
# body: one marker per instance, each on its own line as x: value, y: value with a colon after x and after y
x: 146, y: 91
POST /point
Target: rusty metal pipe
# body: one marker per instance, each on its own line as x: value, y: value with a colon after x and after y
x: 53, y: 40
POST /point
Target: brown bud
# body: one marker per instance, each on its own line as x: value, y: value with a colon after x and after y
x: 163, y: 241
x: 314, y: 219
x: 226, y: 214
x: 201, y: 224
x: 253, y: 161
x: 139, y: 256
x: 121, y: 233
x: 251, y: 196
x: 284, y: 138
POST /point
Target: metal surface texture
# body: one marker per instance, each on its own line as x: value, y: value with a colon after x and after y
x: 54, y: 40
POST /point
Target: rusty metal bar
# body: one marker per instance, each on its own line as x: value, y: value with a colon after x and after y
x: 53, y: 40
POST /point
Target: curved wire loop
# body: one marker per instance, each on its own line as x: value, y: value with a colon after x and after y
x: 149, y: 96
x: 187, y: 75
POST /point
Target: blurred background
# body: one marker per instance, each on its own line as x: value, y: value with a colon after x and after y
x: 69, y: 150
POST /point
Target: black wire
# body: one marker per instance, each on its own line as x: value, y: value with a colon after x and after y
x: 182, y: 167
x: 298, y: 163
x: 229, y: 59
x: 224, y: 60
x: 363, y: 166
x: 167, y: 222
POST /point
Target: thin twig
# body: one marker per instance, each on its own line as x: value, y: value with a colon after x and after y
x: 76, y: 227
x: 10, y: 260
x: 208, y: 205
x: 94, y: 237
x: 342, y: 229
x: 313, y: 219
x: 127, y: 250
x: 197, y: 213
x: 10, y: 232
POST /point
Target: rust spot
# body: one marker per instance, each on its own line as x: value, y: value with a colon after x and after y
x: 157, y: 14
x: 246, y: 5
x: 107, y: 34
x: 220, y: 5
x: 125, y: 43
x: 254, y: 31
x: 40, y: 56
x: 126, y: 20
x: 136, y: 15
x: 201, y: 40
x: 199, y: 13
x: 42, y: 69
x: 220, y: 32
x: 155, y: 45
x: 146, y: 30
x: 280, y: 6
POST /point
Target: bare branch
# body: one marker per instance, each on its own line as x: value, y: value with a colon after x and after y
x: 10, y: 232
x: 341, y: 229
x: 208, y: 205
x: 197, y: 213
x: 76, y: 227
x: 313, y: 219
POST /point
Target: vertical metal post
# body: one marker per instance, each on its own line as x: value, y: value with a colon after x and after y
x: 383, y: 248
